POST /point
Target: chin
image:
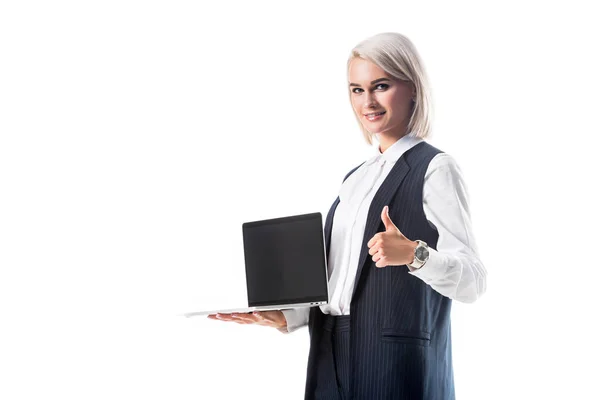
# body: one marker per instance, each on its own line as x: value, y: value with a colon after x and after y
x: 377, y: 130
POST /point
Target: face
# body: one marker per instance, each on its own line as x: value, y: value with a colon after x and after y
x: 382, y: 103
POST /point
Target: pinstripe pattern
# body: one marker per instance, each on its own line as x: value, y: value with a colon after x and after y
x: 341, y: 353
x: 398, y: 346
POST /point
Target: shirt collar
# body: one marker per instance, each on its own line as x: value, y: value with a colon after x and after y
x: 395, y: 151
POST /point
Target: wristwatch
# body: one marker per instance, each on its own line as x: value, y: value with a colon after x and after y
x: 421, y: 255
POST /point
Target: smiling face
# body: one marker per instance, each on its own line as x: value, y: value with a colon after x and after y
x: 382, y: 103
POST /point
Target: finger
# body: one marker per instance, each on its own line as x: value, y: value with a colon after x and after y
x: 373, y: 240
x: 238, y: 321
x: 377, y: 256
x: 258, y: 315
x: 375, y: 248
x: 246, y: 317
x: 242, y: 322
x: 227, y: 319
x: 387, y: 221
x: 381, y: 263
x: 224, y: 317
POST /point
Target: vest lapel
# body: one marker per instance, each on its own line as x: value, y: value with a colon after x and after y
x: 382, y: 198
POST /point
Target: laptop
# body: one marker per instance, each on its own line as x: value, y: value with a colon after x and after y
x: 286, y: 265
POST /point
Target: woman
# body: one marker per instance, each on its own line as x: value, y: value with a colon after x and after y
x: 399, y: 243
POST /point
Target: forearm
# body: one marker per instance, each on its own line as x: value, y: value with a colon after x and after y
x: 296, y: 319
x: 461, y: 277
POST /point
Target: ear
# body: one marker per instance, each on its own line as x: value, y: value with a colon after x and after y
x: 413, y: 94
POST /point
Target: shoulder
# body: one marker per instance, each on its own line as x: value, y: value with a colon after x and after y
x: 444, y: 165
x: 443, y: 160
x: 421, y: 154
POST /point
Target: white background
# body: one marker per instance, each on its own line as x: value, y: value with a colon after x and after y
x: 135, y: 137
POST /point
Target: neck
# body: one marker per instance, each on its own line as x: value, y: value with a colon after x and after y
x: 386, y: 140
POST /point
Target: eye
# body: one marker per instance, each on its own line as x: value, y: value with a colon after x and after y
x: 383, y: 86
x: 357, y: 90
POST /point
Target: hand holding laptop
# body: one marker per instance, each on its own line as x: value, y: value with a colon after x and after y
x: 274, y: 319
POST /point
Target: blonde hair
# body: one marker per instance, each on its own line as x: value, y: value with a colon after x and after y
x: 398, y: 57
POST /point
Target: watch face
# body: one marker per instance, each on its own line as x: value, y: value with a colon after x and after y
x: 422, y: 253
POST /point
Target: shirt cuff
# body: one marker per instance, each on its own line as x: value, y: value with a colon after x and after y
x: 433, y: 270
x: 296, y: 319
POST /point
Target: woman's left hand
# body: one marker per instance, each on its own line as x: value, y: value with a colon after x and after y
x: 391, y: 247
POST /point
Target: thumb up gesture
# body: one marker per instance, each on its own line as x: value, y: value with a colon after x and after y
x: 391, y: 247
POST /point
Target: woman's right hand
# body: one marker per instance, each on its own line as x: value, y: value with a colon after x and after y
x: 274, y: 319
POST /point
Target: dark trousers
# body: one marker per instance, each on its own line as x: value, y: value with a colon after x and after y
x: 339, y: 329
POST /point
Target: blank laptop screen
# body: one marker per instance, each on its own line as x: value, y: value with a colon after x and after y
x: 285, y: 260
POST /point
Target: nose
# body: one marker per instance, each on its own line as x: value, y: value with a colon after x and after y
x: 369, y: 100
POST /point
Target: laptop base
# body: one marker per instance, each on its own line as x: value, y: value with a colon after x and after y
x: 259, y: 308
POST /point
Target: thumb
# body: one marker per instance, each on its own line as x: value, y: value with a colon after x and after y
x: 387, y: 221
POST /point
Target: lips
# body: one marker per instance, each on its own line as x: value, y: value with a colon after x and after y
x: 375, y: 114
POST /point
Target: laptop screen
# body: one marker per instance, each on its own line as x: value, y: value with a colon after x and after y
x: 285, y: 260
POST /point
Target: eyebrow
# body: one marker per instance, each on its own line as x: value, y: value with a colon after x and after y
x: 373, y: 82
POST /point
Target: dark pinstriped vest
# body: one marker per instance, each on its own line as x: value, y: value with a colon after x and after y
x: 400, y: 327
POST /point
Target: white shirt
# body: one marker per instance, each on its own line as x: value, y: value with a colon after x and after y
x: 454, y: 269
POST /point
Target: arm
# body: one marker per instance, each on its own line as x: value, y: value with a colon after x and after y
x: 454, y: 269
x: 296, y: 319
